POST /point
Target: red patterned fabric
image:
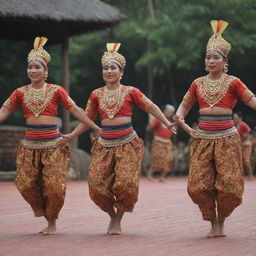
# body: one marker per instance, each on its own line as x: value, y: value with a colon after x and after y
x: 216, y: 175
x: 243, y: 129
x: 162, y: 156
x: 130, y: 96
x: 236, y: 90
x: 161, y: 130
x: 114, y: 175
x: 41, y: 178
x: 55, y: 94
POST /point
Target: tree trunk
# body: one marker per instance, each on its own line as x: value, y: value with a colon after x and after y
x: 65, y: 82
x: 170, y: 76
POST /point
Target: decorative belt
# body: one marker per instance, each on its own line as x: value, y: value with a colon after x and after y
x: 41, y: 136
x: 112, y: 136
x: 215, y: 127
x: 157, y: 138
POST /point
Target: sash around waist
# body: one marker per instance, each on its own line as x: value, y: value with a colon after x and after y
x: 215, y: 127
x: 117, y: 135
x: 41, y: 136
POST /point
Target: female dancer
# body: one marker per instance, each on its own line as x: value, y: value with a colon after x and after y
x: 41, y: 162
x: 215, y: 172
x: 115, y: 167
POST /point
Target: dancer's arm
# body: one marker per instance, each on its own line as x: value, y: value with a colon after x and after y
x: 156, y: 112
x: 181, y: 113
x: 4, y: 113
x: 80, y: 114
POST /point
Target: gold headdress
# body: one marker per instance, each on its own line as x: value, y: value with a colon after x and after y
x: 39, y: 52
x: 216, y: 41
x: 112, y: 54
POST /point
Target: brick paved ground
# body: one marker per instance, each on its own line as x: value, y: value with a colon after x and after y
x: 165, y: 223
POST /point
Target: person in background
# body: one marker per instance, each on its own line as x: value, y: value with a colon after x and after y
x: 162, y: 148
x: 244, y: 132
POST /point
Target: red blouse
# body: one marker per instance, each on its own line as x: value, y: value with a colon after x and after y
x: 129, y: 96
x: 160, y: 130
x: 54, y: 94
x: 233, y: 88
x: 243, y: 129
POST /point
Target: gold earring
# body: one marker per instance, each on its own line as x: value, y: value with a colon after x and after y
x: 225, y: 70
x: 45, y: 76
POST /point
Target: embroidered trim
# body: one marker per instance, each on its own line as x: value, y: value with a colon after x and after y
x: 113, y: 109
x: 38, y: 108
x: 118, y: 135
x: 213, y: 98
x: 212, y: 135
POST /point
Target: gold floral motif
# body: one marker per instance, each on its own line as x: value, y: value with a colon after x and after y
x: 43, y: 187
x: 112, y: 106
x: 213, y: 91
x: 208, y: 158
x: 37, y: 106
x: 162, y: 156
x: 114, y: 175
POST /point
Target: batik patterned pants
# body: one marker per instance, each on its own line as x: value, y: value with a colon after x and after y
x: 114, y: 174
x: 41, y: 178
x: 162, y: 156
x: 216, y: 175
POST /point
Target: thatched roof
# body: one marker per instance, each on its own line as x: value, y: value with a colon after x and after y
x: 25, y: 19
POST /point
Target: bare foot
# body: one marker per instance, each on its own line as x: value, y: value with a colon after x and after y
x: 214, y: 230
x: 43, y: 230
x: 116, y: 227
x: 51, y: 229
x: 110, y: 225
x: 221, y: 220
x: 221, y: 231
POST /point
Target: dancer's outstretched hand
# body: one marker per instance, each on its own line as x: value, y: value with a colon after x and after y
x: 180, y: 121
x: 171, y: 127
x: 65, y: 139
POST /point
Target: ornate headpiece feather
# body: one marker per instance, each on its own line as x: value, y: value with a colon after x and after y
x: 216, y: 41
x: 39, y: 52
x: 112, y: 54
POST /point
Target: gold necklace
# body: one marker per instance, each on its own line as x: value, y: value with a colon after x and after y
x: 36, y: 100
x: 212, y: 91
x: 111, y: 101
x: 37, y: 95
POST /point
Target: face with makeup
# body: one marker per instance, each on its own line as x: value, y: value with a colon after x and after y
x: 215, y: 62
x: 112, y: 72
x: 36, y: 71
